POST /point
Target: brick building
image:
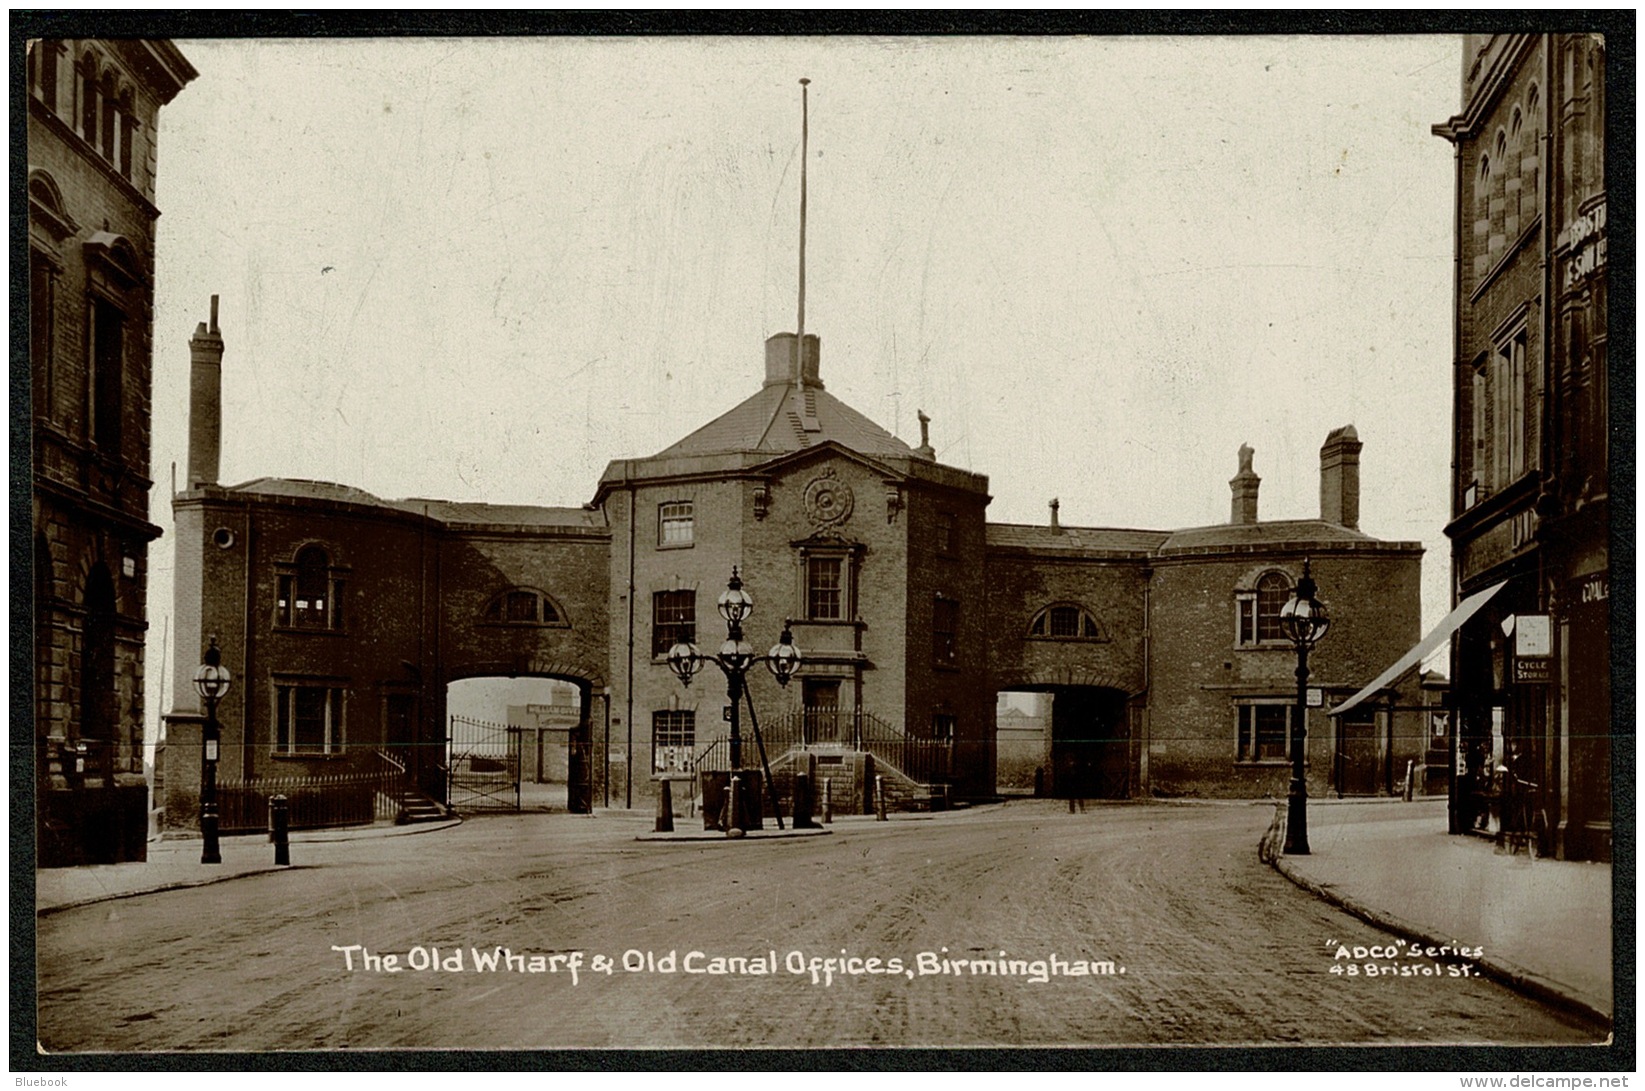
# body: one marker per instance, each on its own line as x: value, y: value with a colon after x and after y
x: 1157, y: 652
x: 1530, y: 528
x: 344, y: 616
x: 93, y: 109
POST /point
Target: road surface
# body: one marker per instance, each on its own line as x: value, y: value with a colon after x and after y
x: 1185, y: 937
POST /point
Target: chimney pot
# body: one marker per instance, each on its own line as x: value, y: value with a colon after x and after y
x: 1056, y: 527
x: 1339, y: 478
x: 1244, y: 485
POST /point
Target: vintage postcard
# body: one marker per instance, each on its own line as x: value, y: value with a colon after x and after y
x: 798, y: 542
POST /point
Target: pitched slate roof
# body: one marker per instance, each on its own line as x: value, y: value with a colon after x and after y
x: 1074, y: 539
x: 445, y: 511
x: 774, y: 421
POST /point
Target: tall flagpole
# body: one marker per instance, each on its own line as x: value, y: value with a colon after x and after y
x: 805, y: 130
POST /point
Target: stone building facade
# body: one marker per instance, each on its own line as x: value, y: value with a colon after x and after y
x: 92, y: 121
x: 1157, y: 652
x: 1530, y: 529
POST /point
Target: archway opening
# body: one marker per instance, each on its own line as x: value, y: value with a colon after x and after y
x: 511, y: 743
x: 1068, y: 742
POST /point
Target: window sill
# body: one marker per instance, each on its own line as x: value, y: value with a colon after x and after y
x: 1068, y: 639
x: 305, y: 631
x: 280, y: 755
x: 1266, y: 646
x: 949, y: 668
x: 522, y: 625
x: 676, y: 545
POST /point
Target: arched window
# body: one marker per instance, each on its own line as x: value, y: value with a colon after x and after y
x: 310, y: 592
x: 88, y: 98
x: 523, y: 606
x: 128, y: 127
x: 1065, y: 621
x: 1258, y: 609
x: 1514, y: 125
x: 106, y: 142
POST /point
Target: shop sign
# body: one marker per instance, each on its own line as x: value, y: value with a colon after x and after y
x: 1533, y: 671
x: 1531, y: 637
x: 1316, y: 697
x: 1586, y: 237
x: 1592, y: 589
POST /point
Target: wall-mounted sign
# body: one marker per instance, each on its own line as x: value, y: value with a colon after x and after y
x: 1533, y: 671
x: 1531, y: 636
x: 1586, y: 237
x: 1316, y: 697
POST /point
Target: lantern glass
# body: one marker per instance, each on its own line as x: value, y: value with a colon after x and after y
x: 736, y: 655
x: 784, y: 658
x: 735, y: 603
x: 685, y: 661
x: 212, y: 681
x: 1304, y: 620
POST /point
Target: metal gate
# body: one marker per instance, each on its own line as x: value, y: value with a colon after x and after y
x: 483, y: 766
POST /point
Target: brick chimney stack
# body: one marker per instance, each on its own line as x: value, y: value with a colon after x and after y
x: 1339, y: 478
x: 1244, y: 485
x: 205, y: 403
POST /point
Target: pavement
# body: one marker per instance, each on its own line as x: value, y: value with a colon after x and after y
x: 173, y: 864
x: 1544, y: 926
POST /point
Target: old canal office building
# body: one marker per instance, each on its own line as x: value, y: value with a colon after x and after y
x: 345, y: 616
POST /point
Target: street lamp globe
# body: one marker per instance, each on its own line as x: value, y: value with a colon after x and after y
x: 1304, y: 618
x: 737, y: 655
x: 212, y: 678
x: 735, y: 603
x: 784, y: 658
x: 685, y: 661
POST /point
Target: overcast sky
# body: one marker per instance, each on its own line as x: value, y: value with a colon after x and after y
x: 482, y: 269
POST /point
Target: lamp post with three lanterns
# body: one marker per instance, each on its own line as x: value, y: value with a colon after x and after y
x: 735, y: 657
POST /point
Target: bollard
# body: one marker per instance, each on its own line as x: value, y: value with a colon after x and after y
x: 1410, y: 773
x: 665, y: 807
x: 732, y: 817
x: 879, y: 799
x: 802, y: 802
x: 828, y: 801
x: 279, y: 826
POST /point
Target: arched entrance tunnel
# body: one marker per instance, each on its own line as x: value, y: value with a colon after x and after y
x: 1080, y: 736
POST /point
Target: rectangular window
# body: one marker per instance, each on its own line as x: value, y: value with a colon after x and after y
x: 1264, y: 732
x: 308, y: 720
x: 673, y: 620
x: 1246, y: 609
x: 48, y: 73
x: 108, y: 379
x: 673, y: 740
x: 1481, y: 448
x: 945, y: 532
x: 824, y: 588
x: 42, y: 331
x: 943, y: 725
x: 945, y: 624
x: 676, y: 523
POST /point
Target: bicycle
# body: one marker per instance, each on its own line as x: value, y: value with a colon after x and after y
x: 1524, y: 820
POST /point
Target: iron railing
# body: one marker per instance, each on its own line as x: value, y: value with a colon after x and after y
x: 356, y: 798
x: 925, y: 760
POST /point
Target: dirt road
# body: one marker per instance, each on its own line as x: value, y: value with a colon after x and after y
x: 1185, y: 937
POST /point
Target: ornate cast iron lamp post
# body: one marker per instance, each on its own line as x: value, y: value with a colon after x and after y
x: 735, y: 657
x: 1304, y: 621
x: 212, y: 680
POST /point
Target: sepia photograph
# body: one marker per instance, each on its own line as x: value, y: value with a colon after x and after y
x: 811, y: 545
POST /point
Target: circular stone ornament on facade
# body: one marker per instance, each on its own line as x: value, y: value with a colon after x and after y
x: 828, y: 501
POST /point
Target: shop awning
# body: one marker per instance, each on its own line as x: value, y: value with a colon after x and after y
x: 1454, y: 620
